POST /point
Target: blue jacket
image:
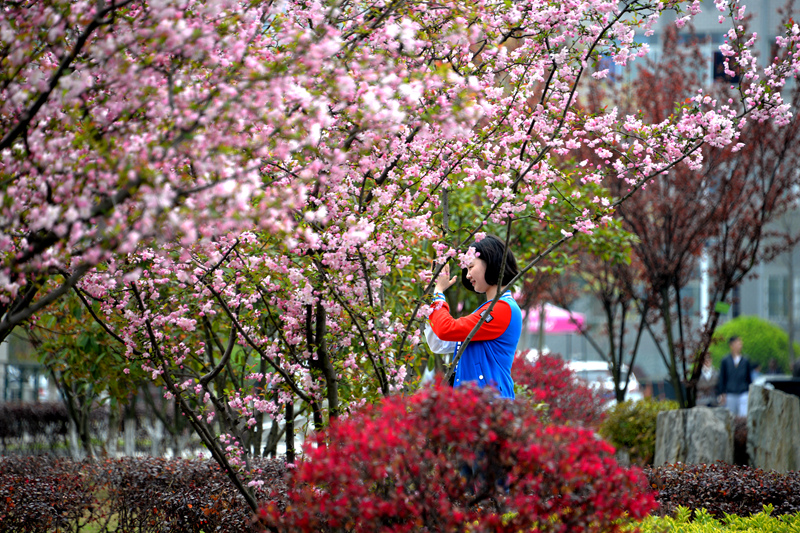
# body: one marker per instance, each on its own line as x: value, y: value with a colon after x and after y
x: 487, y: 359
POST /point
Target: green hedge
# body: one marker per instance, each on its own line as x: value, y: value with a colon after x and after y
x: 631, y: 426
x: 703, y: 522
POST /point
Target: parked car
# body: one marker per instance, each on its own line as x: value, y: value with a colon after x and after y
x: 598, y: 375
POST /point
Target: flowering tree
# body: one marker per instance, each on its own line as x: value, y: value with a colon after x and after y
x: 727, y: 209
x: 79, y: 357
x: 244, y: 191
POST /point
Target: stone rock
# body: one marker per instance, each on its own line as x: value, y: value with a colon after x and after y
x: 623, y: 458
x: 773, y: 429
x: 700, y: 435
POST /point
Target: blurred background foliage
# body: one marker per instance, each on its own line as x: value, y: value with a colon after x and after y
x: 762, y: 341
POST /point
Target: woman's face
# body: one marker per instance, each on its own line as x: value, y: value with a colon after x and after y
x: 476, y: 274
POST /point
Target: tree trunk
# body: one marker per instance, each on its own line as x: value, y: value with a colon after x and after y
x: 790, y: 311
x: 290, y: 455
x: 112, y: 435
x: 319, y: 421
x: 541, y: 328
x: 74, y: 441
x: 129, y: 426
x: 612, y: 348
x: 271, y: 448
x: 84, y: 432
x: 326, y: 365
x: 156, y: 433
x: 77, y: 414
x: 258, y: 434
x: 673, y: 363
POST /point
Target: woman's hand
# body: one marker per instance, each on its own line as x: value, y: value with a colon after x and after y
x: 444, y: 281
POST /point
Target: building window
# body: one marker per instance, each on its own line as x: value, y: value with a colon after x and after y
x: 719, y: 69
x: 777, y: 297
x: 690, y: 299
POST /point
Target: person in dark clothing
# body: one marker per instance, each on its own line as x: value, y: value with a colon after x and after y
x: 773, y: 368
x: 707, y: 385
x: 735, y: 377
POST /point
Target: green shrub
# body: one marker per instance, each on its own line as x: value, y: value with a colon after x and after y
x: 761, y: 341
x: 703, y: 522
x: 631, y: 426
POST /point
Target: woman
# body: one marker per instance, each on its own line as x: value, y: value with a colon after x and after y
x: 707, y: 385
x: 488, y: 357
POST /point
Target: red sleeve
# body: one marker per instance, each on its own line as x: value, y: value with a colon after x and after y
x: 448, y: 328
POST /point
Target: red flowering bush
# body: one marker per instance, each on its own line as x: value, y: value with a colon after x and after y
x: 549, y: 380
x: 456, y: 460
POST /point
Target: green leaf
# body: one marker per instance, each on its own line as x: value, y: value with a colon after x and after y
x: 83, y: 341
x: 722, y: 307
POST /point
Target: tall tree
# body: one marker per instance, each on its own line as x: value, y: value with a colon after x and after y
x: 615, y: 281
x: 727, y: 208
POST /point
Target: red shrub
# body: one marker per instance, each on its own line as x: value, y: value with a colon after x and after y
x: 154, y: 495
x: 396, y: 467
x: 42, y: 494
x: 723, y: 489
x: 549, y: 380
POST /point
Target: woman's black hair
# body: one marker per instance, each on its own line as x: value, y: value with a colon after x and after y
x: 490, y: 249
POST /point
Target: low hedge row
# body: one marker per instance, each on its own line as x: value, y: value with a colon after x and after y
x: 152, y: 495
x: 724, y: 489
x: 701, y: 521
x: 137, y: 495
x: 43, y: 494
x: 40, y: 421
